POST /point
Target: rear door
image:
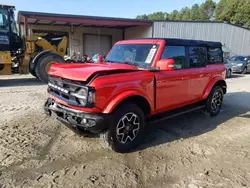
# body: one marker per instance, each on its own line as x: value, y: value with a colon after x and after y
x: 198, y: 74
x: 171, y: 86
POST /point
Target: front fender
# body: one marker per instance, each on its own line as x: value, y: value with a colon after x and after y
x: 211, y: 85
x: 37, y: 57
x: 122, y: 96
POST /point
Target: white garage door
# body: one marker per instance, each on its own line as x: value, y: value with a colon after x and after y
x: 93, y: 44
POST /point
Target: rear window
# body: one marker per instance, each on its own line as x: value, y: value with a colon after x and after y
x: 237, y: 58
x: 197, y: 57
x: 215, y: 55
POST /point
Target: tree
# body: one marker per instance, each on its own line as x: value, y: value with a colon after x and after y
x: 194, y: 12
x: 157, y: 16
x: 185, y: 13
x: 206, y: 10
x: 242, y: 15
x: 232, y: 11
x: 226, y: 9
x: 173, y: 15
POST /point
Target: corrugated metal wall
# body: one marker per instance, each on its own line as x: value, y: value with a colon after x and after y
x: 236, y: 39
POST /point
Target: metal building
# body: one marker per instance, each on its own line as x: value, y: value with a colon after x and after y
x: 91, y: 35
x: 86, y: 34
x: 235, y: 39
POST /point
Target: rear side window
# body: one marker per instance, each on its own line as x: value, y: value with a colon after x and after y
x: 197, y: 57
x: 215, y: 55
x: 177, y: 53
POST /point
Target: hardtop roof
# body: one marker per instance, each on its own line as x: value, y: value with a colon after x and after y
x: 186, y: 42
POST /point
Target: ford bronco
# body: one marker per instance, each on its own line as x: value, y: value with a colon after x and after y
x: 138, y: 81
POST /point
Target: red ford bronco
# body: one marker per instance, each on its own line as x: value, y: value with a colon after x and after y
x: 139, y: 80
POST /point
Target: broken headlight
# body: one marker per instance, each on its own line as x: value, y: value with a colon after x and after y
x: 85, y: 96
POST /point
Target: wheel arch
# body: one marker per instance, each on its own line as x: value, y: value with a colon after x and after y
x: 132, y: 97
x: 217, y: 81
x: 36, y: 58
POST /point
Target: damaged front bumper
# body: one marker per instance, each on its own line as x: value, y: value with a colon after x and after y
x: 78, y: 121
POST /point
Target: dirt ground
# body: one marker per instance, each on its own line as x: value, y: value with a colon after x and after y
x: 193, y: 150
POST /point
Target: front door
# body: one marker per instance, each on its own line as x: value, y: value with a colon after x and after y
x: 172, y: 86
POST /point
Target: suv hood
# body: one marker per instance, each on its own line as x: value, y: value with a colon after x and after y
x: 82, y: 72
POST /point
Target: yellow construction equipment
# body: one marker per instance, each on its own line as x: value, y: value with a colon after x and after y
x: 32, y: 54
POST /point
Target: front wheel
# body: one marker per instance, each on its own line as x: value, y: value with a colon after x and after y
x: 44, y: 63
x: 125, y: 132
x: 214, y: 101
x: 244, y: 71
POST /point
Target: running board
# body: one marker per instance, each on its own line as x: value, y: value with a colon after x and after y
x: 174, y: 113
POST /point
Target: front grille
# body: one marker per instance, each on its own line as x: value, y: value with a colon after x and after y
x: 63, y: 89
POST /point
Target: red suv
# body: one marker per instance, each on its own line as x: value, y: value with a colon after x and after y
x: 139, y: 80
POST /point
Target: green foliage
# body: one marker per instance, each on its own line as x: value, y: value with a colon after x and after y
x: 232, y: 11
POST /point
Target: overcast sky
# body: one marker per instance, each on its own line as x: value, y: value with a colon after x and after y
x: 110, y: 8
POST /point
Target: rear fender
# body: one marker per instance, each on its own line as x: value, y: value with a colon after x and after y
x: 211, y: 84
x: 121, y: 97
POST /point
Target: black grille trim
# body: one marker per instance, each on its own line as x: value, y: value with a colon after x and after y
x: 68, y: 85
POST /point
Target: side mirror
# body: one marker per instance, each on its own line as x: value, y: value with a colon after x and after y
x: 165, y: 64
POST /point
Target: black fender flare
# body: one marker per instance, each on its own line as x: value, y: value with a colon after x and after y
x: 34, y: 61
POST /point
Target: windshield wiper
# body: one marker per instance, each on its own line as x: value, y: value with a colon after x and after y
x: 126, y: 62
x: 109, y: 61
x: 131, y: 63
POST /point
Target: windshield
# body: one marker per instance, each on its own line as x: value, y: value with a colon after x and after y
x: 140, y: 55
x: 13, y: 24
x: 237, y: 58
x: 4, y: 26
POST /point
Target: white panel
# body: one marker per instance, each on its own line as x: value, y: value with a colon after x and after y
x: 138, y: 32
x: 93, y: 44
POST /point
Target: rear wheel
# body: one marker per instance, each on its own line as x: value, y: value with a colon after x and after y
x: 214, y: 101
x: 244, y: 71
x: 125, y: 132
x: 229, y: 73
x: 44, y: 63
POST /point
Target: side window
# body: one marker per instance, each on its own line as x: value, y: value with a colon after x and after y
x: 177, y: 53
x: 197, y: 57
x: 215, y: 55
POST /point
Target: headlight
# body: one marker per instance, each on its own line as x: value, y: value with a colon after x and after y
x: 240, y: 64
x: 85, y: 96
x: 81, y: 95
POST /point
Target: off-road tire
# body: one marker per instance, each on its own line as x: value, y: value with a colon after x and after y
x: 40, y: 69
x: 112, y: 137
x: 211, y: 100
